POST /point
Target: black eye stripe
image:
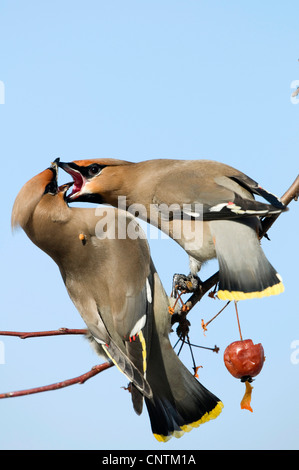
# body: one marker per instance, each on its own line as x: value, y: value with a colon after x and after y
x: 90, y: 170
x: 87, y: 171
x: 94, y: 168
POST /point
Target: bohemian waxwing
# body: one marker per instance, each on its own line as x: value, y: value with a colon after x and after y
x: 114, y: 285
x: 207, y: 207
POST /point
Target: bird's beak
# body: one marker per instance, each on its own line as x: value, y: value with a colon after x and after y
x: 55, y: 168
x: 79, y: 180
x: 65, y: 187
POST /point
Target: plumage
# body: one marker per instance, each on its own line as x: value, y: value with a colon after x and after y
x: 114, y: 285
x: 207, y: 207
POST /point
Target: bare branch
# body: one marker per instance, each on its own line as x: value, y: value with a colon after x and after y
x: 290, y: 195
x: 31, y: 334
x: 66, y: 383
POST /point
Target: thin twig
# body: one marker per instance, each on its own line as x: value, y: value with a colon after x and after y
x: 65, y: 383
x: 239, y: 326
x: 204, y: 325
x: 214, y: 349
x: 36, y: 334
x: 291, y: 194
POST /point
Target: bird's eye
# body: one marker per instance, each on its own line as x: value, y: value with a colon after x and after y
x: 94, y: 169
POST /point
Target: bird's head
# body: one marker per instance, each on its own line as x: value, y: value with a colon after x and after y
x: 92, y: 178
x: 38, y: 188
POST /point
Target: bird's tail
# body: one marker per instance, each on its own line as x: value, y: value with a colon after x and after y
x: 126, y: 366
x: 179, y: 403
x: 244, y: 271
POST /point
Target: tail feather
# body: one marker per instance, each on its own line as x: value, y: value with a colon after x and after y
x: 137, y: 353
x: 126, y: 366
x: 244, y: 270
x: 137, y: 399
x: 179, y: 401
x: 172, y: 418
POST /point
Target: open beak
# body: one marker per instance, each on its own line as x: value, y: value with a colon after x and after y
x: 79, y: 180
x: 54, y: 166
x: 64, y: 187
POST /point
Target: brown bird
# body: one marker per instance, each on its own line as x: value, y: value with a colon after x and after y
x: 207, y: 207
x: 114, y: 285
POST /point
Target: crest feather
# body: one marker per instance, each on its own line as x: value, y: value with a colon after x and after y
x: 28, y: 198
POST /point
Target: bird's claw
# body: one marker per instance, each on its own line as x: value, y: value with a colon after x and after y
x: 181, y: 282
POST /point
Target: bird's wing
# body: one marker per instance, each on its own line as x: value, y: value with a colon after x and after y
x: 212, y: 197
x: 125, y: 302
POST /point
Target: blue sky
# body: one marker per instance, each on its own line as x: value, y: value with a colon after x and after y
x: 139, y: 80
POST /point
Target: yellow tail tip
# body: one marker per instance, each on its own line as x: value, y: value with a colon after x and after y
x: 188, y: 427
x: 239, y: 295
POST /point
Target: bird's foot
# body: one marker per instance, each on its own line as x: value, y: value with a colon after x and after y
x: 185, y: 284
x: 182, y: 284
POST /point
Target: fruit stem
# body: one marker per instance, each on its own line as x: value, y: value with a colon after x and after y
x: 238, y: 320
x: 204, y: 325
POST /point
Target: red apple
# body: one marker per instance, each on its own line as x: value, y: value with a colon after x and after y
x: 243, y: 359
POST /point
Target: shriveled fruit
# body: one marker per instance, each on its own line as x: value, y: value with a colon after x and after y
x: 244, y: 360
